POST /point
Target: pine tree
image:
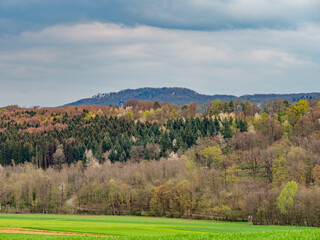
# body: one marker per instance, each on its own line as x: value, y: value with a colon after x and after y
x: 226, y: 130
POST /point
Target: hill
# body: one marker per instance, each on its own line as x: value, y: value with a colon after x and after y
x: 173, y: 95
x: 180, y: 96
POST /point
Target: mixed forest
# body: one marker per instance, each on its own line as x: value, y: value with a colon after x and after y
x: 235, y: 161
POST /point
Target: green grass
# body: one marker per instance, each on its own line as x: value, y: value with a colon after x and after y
x: 129, y: 228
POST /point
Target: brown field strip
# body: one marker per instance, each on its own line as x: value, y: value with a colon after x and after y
x: 46, y: 232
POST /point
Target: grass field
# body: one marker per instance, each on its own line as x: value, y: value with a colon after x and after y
x: 29, y: 226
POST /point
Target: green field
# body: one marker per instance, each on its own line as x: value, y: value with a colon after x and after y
x: 127, y: 227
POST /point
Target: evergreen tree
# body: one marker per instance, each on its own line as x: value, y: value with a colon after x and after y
x: 106, y: 144
x: 226, y: 130
x: 156, y: 105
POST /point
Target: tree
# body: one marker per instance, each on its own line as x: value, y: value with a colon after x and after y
x: 183, y: 201
x: 253, y: 159
x: 274, y: 107
x: 249, y: 109
x: 106, y: 144
x: 297, y: 110
x: 285, y: 200
x: 226, y: 129
x: 136, y: 153
x: 165, y: 142
x: 89, y: 159
x: 212, y: 155
x: 279, y: 170
x: 207, y: 109
x: 156, y: 105
x: 299, y: 165
x: 59, y: 157
x: 232, y: 174
x: 129, y: 116
x: 218, y: 106
x: 316, y: 174
x: 270, y: 128
x: 160, y: 202
x: 190, y: 111
x: 131, y: 103
x: 152, y: 151
x: 242, y: 125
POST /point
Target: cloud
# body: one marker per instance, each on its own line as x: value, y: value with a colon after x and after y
x: 20, y: 15
x: 53, y: 52
x: 66, y: 62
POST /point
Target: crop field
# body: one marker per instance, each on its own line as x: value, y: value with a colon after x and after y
x: 36, y: 226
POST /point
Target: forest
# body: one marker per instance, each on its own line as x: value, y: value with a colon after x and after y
x: 234, y: 161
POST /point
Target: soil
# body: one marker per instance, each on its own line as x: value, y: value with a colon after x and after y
x: 45, y: 232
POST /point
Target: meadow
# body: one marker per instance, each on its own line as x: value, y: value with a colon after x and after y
x: 37, y: 226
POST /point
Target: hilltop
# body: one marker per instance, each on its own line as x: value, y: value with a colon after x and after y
x: 181, y: 96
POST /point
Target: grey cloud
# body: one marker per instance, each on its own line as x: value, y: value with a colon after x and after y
x: 23, y: 15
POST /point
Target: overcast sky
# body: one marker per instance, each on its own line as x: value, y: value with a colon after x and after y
x: 56, y: 52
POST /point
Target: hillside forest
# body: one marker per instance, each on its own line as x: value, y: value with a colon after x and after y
x: 234, y: 161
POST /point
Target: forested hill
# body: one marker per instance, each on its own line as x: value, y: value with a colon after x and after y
x: 181, y: 96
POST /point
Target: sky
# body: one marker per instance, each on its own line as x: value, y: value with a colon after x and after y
x: 56, y: 52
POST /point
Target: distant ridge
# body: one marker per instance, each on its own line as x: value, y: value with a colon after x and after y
x: 181, y: 96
